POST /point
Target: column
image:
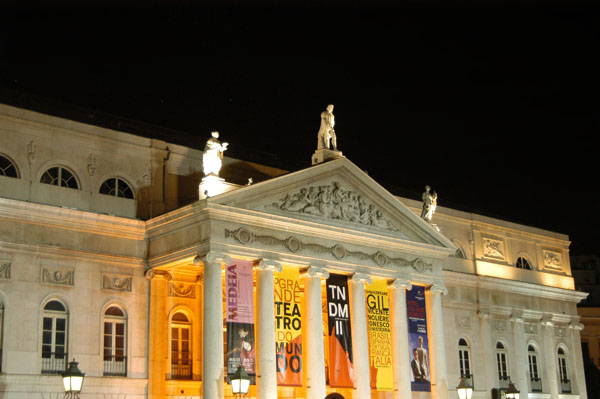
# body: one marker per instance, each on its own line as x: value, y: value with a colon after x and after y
x: 360, y: 337
x: 400, y: 350
x: 521, y: 363
x: 316, y: 387
x: 577, y: 366
x: 439, y: 349
x: 158, y: 337
x: 550, y: 358
x: 212, y: 354
x: 488, y: 349
x: 266, y: 375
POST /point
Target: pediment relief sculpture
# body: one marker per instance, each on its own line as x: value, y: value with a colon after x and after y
x: 332, y: 201
x: 493, y: 248
x: 552, y: 260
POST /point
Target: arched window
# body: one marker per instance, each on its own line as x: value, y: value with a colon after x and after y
x: 502, y: 365
x: 563, y: 371
x: 115, y: 342
x: 464, y: 361
x: 117, y: 187
x: 8, y: 168
x: 60, y: 176
x: 54, y: 337
x: 460, y: 254
x: 181, y: 353
x: 522, y: 263
x: 534, y: 376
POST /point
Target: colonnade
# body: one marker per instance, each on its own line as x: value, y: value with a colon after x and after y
x: 315, y: 352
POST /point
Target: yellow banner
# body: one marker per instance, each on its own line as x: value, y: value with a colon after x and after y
x: 380, y: 336
x: 288, y: 327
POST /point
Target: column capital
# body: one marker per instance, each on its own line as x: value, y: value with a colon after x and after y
x: 271, y: 265
x: 439, y: 289
x: 314, y: 271
x: 576, y: 326
x: 361, y: 278
x: 400, y: 283
x: 517, y: 317
x: 546, y: 320
x: 484, y: 314
x: 212, y: 257
x: 152, y: 273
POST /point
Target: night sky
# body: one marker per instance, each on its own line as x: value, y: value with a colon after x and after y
x: 494, y: 104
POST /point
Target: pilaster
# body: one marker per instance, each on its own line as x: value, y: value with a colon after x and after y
x: 360, y: 341
x: 400, y: 350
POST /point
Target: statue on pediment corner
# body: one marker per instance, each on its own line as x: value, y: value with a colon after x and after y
x: 213, y: 155
x: 326, y: 137
x: 429, y: 204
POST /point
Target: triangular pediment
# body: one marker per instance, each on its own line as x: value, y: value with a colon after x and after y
x: 335, y: 193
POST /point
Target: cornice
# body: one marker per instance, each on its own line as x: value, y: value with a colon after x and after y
x: 71, y: 219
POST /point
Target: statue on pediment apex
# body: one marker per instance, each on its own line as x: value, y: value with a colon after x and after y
x: 326, y: 137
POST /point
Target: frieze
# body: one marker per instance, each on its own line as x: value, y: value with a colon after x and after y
x: 331, y: 201
x: 182, y: 290
x: 462, y: 321
x: 293, y: 244
x: 493, y: 248
x: 4, y: 270
x: 58, y: 275
x: 116, y: 283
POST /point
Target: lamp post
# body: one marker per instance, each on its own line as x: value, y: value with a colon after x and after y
x: 240, y: 382
x: 511, y: 392
x: 464, y: 390
x: 72, y: 380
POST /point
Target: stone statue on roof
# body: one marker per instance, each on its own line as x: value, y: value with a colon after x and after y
x: 429, y: 204
x: 326, y: 136
x: 213, y: 155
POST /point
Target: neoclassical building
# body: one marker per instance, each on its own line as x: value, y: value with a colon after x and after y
x: 117, y: 251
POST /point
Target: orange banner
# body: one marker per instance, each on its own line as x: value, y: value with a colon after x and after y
x: 380, y: 336
x: 288, y: 327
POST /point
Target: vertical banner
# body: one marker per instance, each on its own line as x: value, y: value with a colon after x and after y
x: 417, y: 339
x: 340, y: 335
x: 380, y: 336
x: 240, y: 317
x: 288, y: 327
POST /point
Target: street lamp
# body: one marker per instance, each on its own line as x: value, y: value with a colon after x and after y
x: 511, y: 392
x: 72, y: 380
x: 464, y: 390
x: 240, y: 382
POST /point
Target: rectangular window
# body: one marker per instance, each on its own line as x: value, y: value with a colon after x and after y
x: 115, y: 359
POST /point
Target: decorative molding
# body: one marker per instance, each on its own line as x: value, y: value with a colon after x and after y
x: 462, y: 321
x: 439, y: 289
x: 331, y: 201
x: 31, y: 150
x: 293, y: 244
x: 560, y: 331
x: 493, y: 248
x: 116, y: 282
x: 499, y: 325
x: 5, y: 270
x: 152, y: 273
x: 552, y: 259
x: 182, y: 290
x: 91, y: 165
x: 531, y: 328
x: 58, y: 275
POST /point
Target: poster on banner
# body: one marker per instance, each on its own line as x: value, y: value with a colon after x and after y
x: 341, y: 368
x: 417, y: 339
x: 239, y: 305
x: 380, y: 336
x: 288, y: 327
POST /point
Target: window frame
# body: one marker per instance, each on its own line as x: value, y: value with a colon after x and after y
x: 56, y: 360
x: 112, y: 366
x: 502, y: 364
x: 464, y: 360
x: 118, y: 180
x: 533, y: 368
x: 179, y: 363
x: 59, y: 177
x: 12, y: 163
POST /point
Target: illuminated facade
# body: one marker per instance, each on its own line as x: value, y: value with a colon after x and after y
x: 318, y: 281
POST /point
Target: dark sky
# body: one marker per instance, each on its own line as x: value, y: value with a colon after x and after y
x: 492, y: 103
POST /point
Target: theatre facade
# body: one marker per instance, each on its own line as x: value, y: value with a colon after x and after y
x: 162, y: 273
